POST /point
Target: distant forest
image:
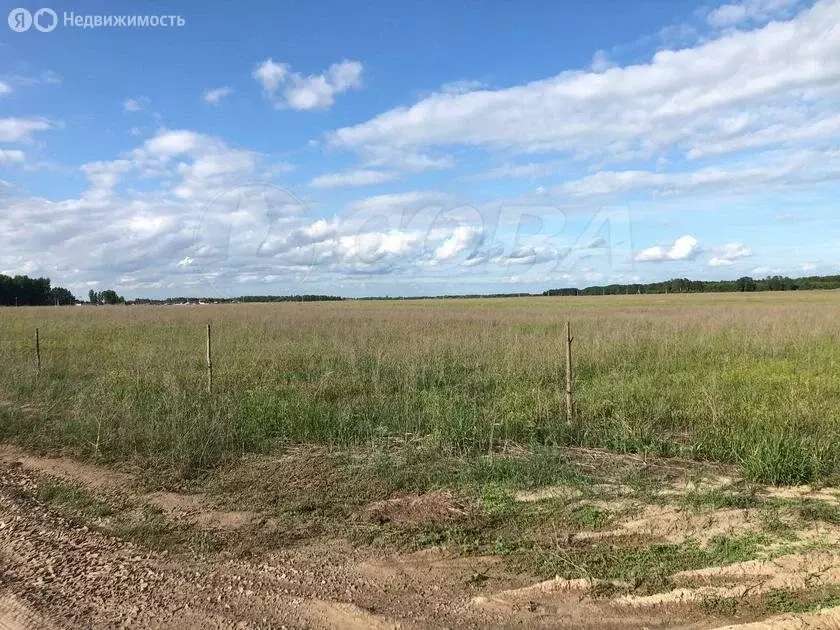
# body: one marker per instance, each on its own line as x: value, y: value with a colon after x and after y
x: 26, y: 291
x: 241, y: 299
x: 684, y: 285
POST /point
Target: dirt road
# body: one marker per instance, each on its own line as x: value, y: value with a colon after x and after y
x: 64, y: 572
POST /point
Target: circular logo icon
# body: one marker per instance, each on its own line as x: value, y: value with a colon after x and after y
x: 45, y: 20
x: 20, y: 20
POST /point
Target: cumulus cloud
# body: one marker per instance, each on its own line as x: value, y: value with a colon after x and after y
x: 684, y: 248
x: 134, y: 104
x: 600, y: 61
x: 305, y: 92
x: 21, y: 129
x: 407, y: 201
x: 519, y: 170
x: 188, y: 210
x: 345, y: 246
x: 270, y: 75
x: 361, y: 177
x: 406, y: 161
x: 683, y: 100
x: 463, y: 238
x: 11, y: 156
x: 200, y: 217
x: 772, y: 168
x: 5, y: 88
x: 728, y: 254
x: 749, y: 11
x: 170, y: 143
x: 216, y: 95
x: 47, y: 77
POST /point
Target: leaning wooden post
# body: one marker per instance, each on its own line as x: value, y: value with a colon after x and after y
x: 209, y: 363
x: 570, y: 403
x: 38, y: 349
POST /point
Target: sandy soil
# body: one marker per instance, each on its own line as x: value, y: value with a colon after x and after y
x: 58, y: 573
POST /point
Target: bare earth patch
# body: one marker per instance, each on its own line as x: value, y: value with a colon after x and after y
x: 431, y: 507
x: 194, y: 508
x: 59, y: 572
x: 675, y: 525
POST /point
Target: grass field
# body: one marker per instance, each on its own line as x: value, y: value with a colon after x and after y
x: 749, y: 379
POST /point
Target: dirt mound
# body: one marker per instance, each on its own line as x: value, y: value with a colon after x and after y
x: 431, y: 507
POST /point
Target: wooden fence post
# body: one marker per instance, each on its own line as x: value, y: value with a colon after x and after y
x: 209, y: 363
x: 38, y: 349
x: 570, y: 403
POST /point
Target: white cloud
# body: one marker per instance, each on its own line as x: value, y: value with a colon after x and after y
x: 373, y: 246
x: 728, y: 254
x: 199, y: 215
x: 169, y: 143
x: 361, y: 177
x: 316, y: 91
x: 5, y: 88
x: 408, y: 200
x: 21, y: 129
x: 47, y: 77
x: 134, y: 104
x: 11, y: 156
x: 770, y: 169
x: 463, y: 238
x: 461, y: 87
x: 684, y: 248
x: 749, y: 11
x: 680, y: 99
x: 526, y: 170
x: 407, y: 161
x: 270, y: 75
x: 215, y: 96
x: 104, y: 176
x: 600, y: 61
x: 720, y: 262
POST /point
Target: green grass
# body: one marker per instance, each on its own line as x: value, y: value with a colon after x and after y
x: 723, y: 499
x: 647, y: 567
x: 746, y: 379
x: 776, y: 601
x: 74, y: 499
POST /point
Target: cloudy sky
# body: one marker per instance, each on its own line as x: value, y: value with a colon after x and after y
x: 409, y: 148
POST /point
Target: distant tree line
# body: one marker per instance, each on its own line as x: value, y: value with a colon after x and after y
x: 462, y: 296
x: 684, y: 285
x: 26, y: 291
x: 243, y: 298
x: 108, y: 296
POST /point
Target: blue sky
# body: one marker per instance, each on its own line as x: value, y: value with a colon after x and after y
x: 420, y: 147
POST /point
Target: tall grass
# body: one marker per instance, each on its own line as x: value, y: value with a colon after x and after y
x: 753, y: 379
